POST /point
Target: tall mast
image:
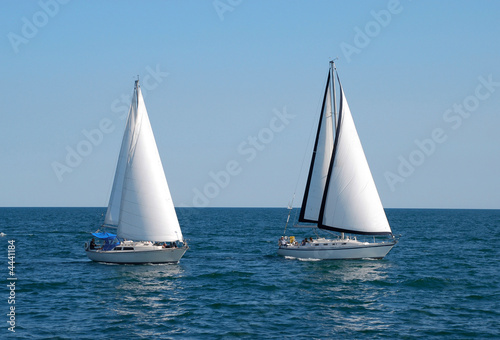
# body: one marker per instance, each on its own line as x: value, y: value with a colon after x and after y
x: 137, y: 90
x: 333, y: 99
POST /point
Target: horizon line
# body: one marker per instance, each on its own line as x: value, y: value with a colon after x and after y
x: 235, y: 207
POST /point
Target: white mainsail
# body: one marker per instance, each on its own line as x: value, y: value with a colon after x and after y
x: 140, y: 202
x: 318, y: 172
x: 351, y: 202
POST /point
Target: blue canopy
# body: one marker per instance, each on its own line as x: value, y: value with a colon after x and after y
x: 108, y: 240
x: 105, y: 236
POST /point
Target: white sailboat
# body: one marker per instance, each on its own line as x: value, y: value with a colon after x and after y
x: 140, y: 206
x: 340, y: 194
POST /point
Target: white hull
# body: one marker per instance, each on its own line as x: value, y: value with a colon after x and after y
x: 153, y: 255
x: 347, y: 249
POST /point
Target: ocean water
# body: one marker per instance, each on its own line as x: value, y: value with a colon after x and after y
x: 441, y: 281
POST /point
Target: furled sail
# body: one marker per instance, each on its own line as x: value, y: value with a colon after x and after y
x: 140, y: 202
x: 320, y: 162
x: 351, y: 202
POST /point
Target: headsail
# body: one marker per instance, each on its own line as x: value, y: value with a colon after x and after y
x: 115, y: 200
x: 320, y: 162
x: 140, y: 193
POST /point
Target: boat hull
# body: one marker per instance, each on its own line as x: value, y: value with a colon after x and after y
x: 168, y: 255
x: 339, y: 251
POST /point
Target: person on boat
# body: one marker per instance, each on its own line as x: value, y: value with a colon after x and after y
x: 92, y: 244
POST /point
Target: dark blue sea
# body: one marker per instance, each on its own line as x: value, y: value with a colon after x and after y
x: 441, y: 281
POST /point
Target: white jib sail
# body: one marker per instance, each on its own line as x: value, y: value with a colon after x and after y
x: 115, y: 199
x: 322, y: 156
x: 146, y: 209
x: 352, y: 201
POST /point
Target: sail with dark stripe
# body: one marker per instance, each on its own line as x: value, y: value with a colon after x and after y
x: 323, y: 147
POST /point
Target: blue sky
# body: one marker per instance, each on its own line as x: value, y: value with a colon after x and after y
x: 233, y: 90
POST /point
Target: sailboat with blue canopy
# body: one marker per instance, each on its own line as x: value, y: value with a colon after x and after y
x: 140, y: 206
